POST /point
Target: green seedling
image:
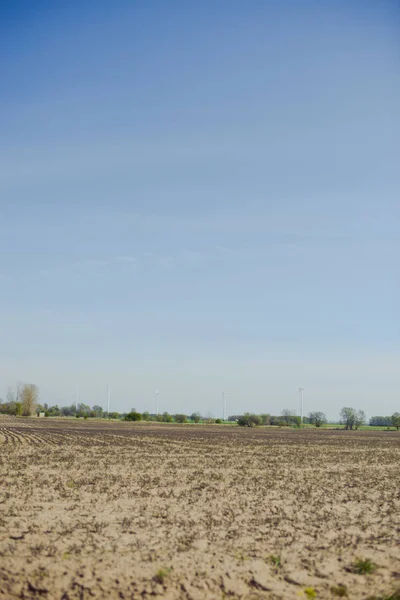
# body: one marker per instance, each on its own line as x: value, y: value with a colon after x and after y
x: 364, y: 567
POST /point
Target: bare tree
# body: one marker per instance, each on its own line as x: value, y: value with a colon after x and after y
x: 29, y: 397
x: 360, y: 419
x: 14, y: 394
x: 352, y: 418
x: 348, y: 417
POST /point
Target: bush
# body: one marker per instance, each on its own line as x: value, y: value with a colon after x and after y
x: 265, y: 419
x: 218, y: 421
x: 113, y: 415
x: 295, y: 421
x: 133, y: 416
x: 248, y: 420
x: 180, y: 418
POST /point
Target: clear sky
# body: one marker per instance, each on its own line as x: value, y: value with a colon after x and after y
x: 198, y: 197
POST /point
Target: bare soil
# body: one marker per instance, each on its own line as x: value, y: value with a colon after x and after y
x: 123, y: 510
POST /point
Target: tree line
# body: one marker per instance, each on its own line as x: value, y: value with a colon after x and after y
x: 23, y: 400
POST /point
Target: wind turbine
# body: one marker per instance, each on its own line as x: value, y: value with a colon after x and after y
x: 301, y: 390
x: 224, y: 405
x: 108, y: 399
x: 157, y: 395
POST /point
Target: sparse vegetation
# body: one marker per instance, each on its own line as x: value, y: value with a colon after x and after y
x: 339, y: 590
x: 276, y: 560
x: 364, y: 567
x: 161, y: 575
x: 137, y: 498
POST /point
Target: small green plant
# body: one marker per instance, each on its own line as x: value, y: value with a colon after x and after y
x: 161, y: 575
x: 339, y: 590
x: 310, y: 593
x: 364, y: 567
x: 218, y: 421
x: 276, y: 560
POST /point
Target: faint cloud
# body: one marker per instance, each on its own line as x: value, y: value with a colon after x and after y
x: 193, y: 257
x: 126, y: 259
x: 89, y: 263
x: 225, y: 251
x: 167, y: 262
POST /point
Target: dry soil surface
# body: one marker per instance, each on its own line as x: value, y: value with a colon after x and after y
x: 102, y: 510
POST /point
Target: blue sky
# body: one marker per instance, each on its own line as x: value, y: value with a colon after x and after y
x: 198, y: 197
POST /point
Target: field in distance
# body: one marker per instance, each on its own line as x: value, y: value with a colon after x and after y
x: 124, y: 510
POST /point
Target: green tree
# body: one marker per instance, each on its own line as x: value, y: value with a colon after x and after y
x: 180, y: 418
x: 249, y: 420
x: 265, y: 419
x: 287, y: 416
x: 380, y: 421
x: 396, y: 420
x: 317, y: 418
x: 295, y: 421
x: 83, y: 409
x: 133, y: 416
x: 195, y: 417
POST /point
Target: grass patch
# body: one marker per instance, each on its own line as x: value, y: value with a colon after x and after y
x: 339, y: 590
x: 276, y: 560
x: 364, y: 567
x: 161, y: 574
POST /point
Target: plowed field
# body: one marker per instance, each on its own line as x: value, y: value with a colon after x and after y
x: 104, y: 510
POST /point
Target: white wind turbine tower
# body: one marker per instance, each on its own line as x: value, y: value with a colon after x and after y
x: 301, y: 390
x: 157, y: 395
x: 108, y: 399
x: 77, y: 398
x: 224, y: 406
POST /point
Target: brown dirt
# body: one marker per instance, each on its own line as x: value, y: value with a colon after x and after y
x: 103, y: 510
